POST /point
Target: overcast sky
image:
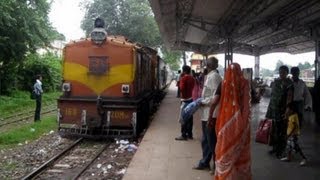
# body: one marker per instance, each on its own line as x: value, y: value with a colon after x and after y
x: 66, y: 17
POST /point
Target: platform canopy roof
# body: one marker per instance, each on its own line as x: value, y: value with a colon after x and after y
x: 255, y: 27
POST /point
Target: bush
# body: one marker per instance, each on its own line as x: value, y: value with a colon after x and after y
x: 48, y: 65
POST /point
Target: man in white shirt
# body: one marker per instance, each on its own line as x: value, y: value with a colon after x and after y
x: 210, y: 86
x: 301, y: 94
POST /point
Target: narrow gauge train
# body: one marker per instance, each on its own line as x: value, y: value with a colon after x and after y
x: 110, y: 86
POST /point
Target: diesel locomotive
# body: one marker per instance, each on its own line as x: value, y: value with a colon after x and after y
x: 110, y: 86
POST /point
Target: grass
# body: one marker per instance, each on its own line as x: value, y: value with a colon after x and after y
x: 27, y: 132
x: 20, y: 102
x: 9, y: 166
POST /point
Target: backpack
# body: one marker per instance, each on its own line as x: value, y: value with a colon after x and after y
x: 33, y: 94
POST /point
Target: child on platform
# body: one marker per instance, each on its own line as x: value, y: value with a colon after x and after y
x: 293, y: 132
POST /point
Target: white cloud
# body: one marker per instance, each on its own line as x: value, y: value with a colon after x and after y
x: 66, y: 16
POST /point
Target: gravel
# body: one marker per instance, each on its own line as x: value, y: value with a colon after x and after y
x: 23, y: 159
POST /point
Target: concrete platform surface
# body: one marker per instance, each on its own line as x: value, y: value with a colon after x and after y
x: 161, y: 157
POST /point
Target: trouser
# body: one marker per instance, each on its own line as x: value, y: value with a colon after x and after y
x: 178, y: 92
x: 212, y: 139
x: 279, y: 129
x: 317, y: 117
x: 208, y: 142
x: 38, y: 108
x: 292, y: 144
x: 187, y: 126
x: 300, y: 107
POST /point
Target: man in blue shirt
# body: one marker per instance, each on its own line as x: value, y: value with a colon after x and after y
x: 37, y: 88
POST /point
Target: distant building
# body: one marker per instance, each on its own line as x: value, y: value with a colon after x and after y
x: 56, y: 48
x: 307, y: 73
x: 197, y: 62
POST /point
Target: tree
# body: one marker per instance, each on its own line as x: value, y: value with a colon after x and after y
x: 267, y: 72
x: 172, y: 58
x: 279, y: 63
x: 24, y: 27
x: 133, y: 19
x: 130, y: 18
x: 306, y: 65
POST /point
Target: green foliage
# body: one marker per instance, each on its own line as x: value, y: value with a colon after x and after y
x: 172, y: 58
x: 24, y: 28
x: 279, y: 63
x: 27, y: 132
x: 21, y: 76
x: 48, y: 65
x: 266, y: 72
x: 306, y: 65
x: 20, y: 102
x: 131, y: 18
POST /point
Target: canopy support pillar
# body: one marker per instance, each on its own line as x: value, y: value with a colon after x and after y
x: 317, y: 59
x: 228, y: 53
x: 256, y: 63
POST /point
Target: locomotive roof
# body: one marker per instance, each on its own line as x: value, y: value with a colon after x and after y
x: 119, y: 40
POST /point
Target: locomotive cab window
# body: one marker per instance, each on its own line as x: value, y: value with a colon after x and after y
x: 98, y: 64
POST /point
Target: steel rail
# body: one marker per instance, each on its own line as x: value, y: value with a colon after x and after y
x: 50, y: 161
x: 26, y: 117
x: 45, y: 105
x: 89, y: 163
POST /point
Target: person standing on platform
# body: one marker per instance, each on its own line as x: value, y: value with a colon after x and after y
x: 233, y: 159
x: 201, y: 80
x: 293, y: 131
x: 316, y: 100
x: 281, y: 95
x: 37, y: 87
x: 301, y: 94
x: 211, y: 125
x: 186, y: 86
x: 195, y: 91
x: 178, y: 82
x: 210, y: 86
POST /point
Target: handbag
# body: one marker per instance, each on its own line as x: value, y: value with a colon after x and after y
x: 264, y: 131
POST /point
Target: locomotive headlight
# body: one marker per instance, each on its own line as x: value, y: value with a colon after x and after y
x: 98, y: 36
x: 125, y: 88
x: 66, y: 87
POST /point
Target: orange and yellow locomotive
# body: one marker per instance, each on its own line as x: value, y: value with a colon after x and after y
x: 110, y: 86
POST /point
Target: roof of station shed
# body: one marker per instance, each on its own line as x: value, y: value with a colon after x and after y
x: 255, y: 26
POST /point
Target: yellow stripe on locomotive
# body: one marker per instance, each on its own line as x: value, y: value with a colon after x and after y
x: 121, y: 74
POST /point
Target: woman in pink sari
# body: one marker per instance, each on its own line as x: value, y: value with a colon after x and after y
x: 233, y: 128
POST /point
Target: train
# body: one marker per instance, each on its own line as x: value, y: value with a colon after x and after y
x: 110, y: 86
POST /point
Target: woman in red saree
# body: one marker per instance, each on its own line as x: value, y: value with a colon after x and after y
x: 232, y: 151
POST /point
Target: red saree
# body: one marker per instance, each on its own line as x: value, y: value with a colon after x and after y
x: 233, y: 160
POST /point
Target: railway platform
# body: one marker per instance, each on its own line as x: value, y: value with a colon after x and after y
x: 161, y: 157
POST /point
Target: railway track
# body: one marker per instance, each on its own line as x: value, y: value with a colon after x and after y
x: 71, y: 163
x: 22, y: 116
